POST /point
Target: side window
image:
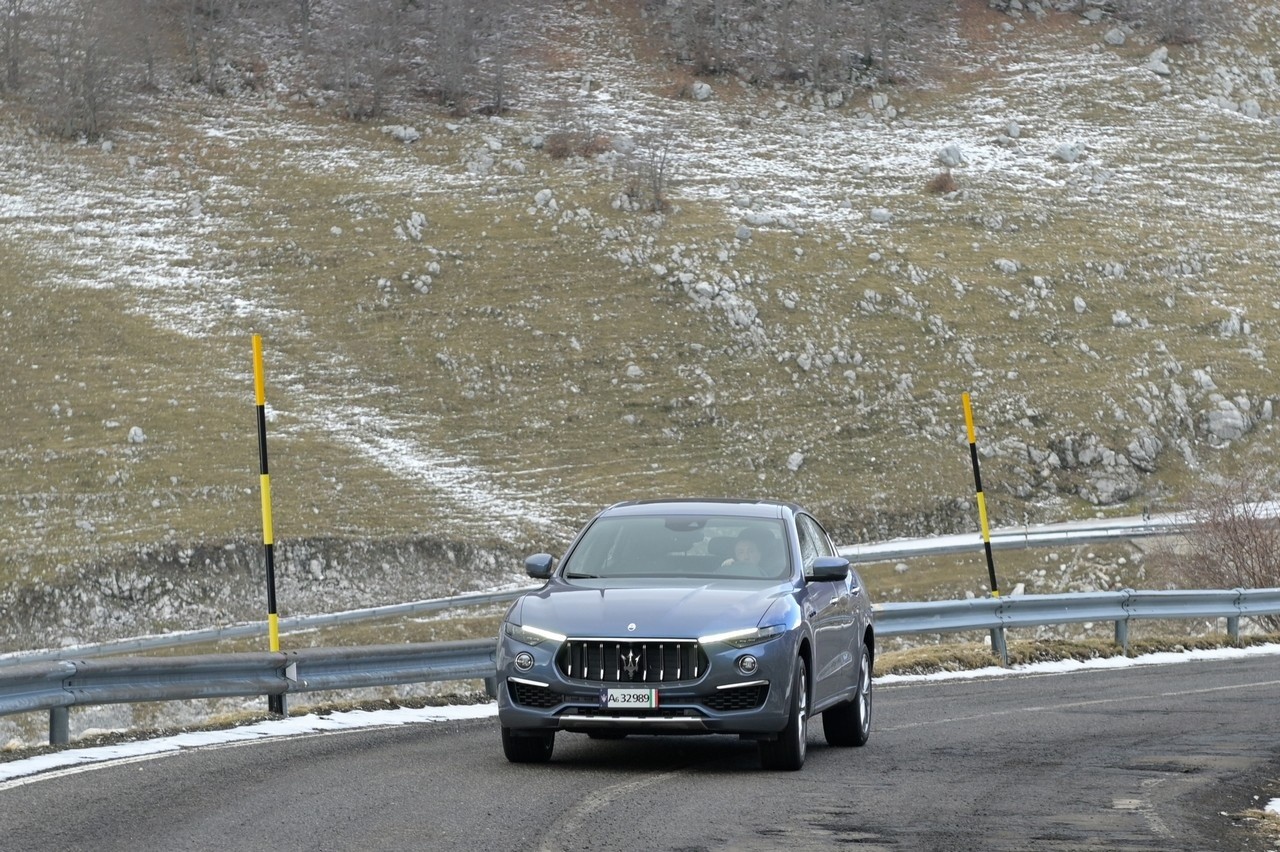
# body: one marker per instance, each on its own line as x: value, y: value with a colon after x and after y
x: 808, y: 546
x: 813, y: 542
x: 821, y: 541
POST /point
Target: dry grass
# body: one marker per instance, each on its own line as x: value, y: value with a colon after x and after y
x: 518, y: 358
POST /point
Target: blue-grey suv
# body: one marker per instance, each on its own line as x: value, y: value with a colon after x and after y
x: 690, y: 617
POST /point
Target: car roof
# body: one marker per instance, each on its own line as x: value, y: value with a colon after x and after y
x: 703, y: 506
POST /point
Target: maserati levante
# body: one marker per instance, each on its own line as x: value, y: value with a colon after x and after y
x: 690, y: 617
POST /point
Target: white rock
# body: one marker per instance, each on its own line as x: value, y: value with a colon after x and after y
x: 1157, y: 62
x: 135, y: 435
x: 951, y: 156
x: 1227, y: 422
x: 794, y: 461
x: 1068, y: 152
x: 402, y: 133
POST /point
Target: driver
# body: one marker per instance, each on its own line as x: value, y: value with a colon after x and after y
x: 747, y: 553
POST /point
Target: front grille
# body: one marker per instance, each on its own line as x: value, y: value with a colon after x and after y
x: 646, y: 661
x: 738, y: 698
x: 530, y: 695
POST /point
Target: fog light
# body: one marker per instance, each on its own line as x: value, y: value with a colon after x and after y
x: 748, y: 664
x: 524, y: 661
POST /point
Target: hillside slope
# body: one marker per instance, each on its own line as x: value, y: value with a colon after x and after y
x: 469, y: 339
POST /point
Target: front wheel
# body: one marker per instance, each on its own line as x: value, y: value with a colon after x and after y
x: 533, y: 747
x: 787, y: 751
x: 849, y: 723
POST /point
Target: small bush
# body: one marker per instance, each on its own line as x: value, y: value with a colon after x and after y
x: 679, y: 87
x: 570, y: 143
x: 942, y: 184
x: 1232, y: 540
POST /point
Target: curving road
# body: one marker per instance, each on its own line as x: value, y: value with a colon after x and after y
x: 1149, y: 758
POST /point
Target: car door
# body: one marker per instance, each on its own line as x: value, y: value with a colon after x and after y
x: 831, y: 614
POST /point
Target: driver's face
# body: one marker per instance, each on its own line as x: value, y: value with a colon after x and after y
x: 746, y: 551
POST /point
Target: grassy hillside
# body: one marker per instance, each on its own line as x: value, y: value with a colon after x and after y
x: 468, y: 338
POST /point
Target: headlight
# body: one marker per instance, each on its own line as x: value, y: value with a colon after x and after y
x: 745, y: 637
x: 531, y: 635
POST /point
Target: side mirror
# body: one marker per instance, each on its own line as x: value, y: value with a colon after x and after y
x: 539, y: 565
x: 829, y: 569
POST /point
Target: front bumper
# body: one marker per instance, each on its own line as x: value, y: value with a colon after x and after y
x: 720, y: 700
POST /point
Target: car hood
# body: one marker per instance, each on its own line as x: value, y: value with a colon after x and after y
x: 667, y: 612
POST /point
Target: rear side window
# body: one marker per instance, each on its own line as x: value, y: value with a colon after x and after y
x: 813, y: 542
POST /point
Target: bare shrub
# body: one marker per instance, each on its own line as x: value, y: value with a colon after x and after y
x: 564, y: 144
x: 680, y: 87
x: 942, y: 184
x: 648, y: 175
x: 1232, y: 539
x: 81, y: 64
x: 1180, y: 21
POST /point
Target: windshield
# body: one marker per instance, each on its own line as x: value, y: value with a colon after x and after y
x: 681, y: 546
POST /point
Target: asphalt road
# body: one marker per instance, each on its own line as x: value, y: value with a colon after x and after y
x: 1152, y: 758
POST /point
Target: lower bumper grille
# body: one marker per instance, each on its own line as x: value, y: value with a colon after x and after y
x: 738, y: 698
x: 530, y: 695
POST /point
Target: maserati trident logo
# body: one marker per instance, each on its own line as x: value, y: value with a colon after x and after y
x: 631, y: 664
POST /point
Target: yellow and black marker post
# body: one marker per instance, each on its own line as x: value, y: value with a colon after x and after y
x: 275, y: 703
x: 997, y: 633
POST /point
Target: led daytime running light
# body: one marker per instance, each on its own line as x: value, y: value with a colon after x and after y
x: 743, y: 637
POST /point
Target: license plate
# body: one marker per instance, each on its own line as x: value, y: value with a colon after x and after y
x: 628, y: 698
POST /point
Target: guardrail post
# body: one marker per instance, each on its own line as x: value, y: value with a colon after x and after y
x: 59, y: 726
x: 1122, y: 625
x: 1233, y: 628
x: 491, y: 687
x: 999, y: 645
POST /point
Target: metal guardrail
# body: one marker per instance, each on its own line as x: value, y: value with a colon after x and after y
x: 1120, y: 607
x: 291, y: 624
x: 58, y: 685
x: 1064, y: 534
x: 1044, y: 535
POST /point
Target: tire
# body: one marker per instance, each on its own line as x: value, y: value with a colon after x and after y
x: 849, y: 723
x: 787, y: 752
x: 528, y: 748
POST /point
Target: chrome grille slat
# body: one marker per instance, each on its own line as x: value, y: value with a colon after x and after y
x: 631, y: 661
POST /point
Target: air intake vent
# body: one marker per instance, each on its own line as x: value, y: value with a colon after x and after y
x: 738, y: 698
x: 529, y: 695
